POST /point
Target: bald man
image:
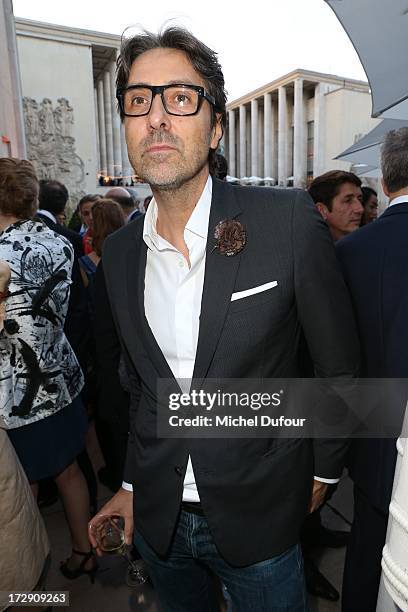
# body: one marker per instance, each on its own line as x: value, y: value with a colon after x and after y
x: 129, y: 205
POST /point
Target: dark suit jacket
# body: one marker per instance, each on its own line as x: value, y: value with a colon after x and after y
x: 113, y: 398
x: 135, y: 214
x: 255, y: 493
x: 77, y: 323
x: 375, y: 264
x: 74, y: 238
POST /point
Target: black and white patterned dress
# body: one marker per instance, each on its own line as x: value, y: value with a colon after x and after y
x: 39, y: 373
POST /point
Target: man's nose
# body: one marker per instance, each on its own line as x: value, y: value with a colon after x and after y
x: 158, y: 117
x: 358, y: 207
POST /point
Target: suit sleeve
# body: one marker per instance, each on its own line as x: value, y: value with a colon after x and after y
x: 113, y: 400
x: 326, y: 316
x: 114, y: 369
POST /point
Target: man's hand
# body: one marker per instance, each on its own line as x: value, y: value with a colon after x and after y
x: 121, y: 504
x: 318, y: 495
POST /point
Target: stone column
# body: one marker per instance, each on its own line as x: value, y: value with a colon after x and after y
x: 299, y: 172
x: 267, y: 135
x: 98, y: 147
x: 242, y: 141
x: 231, y: 148
x: 107, y: 102
x: 274, y: 144
x: 319, y: 131
x: 101, y: 128
x: 282, y: 138
x: 117, y: 154
x: 254, y: 137
x: 127, y: 171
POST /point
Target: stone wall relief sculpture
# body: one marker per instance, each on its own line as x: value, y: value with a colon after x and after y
x: 51, y: 144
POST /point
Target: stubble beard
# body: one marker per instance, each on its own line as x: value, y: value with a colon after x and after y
x: 166, y: 174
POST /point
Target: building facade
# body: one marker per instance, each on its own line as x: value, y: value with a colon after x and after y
x: 290, y: 130
x: 287, y: 131
x: 72, y: 127
x: 12, y: 139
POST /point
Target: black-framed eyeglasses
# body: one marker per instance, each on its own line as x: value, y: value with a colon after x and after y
x: 179, y: 99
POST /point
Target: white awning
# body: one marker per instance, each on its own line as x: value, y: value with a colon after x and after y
x: 366, y: 151
x: 378, y: 31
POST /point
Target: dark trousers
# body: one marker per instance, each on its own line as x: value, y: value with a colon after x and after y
x: 184, y: 580
x: 362, y: 570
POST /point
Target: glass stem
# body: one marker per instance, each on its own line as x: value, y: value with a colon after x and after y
x: 126, y: 553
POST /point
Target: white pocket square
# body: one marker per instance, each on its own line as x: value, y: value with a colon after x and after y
x: 243, y: 294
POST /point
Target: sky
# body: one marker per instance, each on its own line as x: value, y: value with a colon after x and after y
x: 257, y: 42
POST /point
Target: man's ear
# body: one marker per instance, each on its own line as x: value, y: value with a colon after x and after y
x: 323, y: 210
x: 217, y: 132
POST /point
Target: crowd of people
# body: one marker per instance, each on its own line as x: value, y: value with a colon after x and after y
x: 205, y: 281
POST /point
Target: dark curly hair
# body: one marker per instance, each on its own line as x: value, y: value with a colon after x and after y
x: 53, y: 196
x: 203, y: 59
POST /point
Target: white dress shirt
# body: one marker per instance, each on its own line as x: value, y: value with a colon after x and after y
x: 172, y: 300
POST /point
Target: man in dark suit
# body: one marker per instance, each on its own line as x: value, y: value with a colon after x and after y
x: 337, y: 195
x: 215, y: 281
x: 52, y: 200
x: 374, y: 262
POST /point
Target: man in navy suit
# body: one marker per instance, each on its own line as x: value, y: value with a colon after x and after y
x: 374, y: 262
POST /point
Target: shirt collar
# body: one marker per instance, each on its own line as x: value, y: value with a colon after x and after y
x: 197, y: 223
x: 399, y: 200
x: 47, y: 213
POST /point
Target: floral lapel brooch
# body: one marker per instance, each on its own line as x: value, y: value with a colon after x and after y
x: 230, y: 236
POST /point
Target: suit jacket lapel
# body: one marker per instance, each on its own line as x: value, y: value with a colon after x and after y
x: 219, y: 279
x: 219, y: 282
x: 136, y: 269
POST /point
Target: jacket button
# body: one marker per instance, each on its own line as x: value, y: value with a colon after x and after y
x: 178, y: 471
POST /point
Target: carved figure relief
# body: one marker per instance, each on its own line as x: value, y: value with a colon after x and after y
x: 47, y: 118
x: 64, y: 118
x: 31, y: 119
x: 51, y: 143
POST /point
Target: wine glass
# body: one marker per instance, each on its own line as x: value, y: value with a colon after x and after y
x: 110, y: 537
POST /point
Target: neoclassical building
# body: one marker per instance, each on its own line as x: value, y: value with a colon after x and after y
x: 291, y: 129
x: 287, y: 131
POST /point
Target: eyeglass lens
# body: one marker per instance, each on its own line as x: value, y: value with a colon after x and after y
x: 177, y: 100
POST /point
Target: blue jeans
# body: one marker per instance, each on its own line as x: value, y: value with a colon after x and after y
x: 184, y: 583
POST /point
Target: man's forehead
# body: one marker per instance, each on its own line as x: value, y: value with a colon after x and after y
x: 349, y: 189
x: 164, y: 66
